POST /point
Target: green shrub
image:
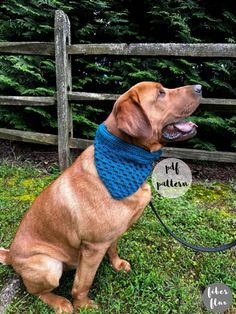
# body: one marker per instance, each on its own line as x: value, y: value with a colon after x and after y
x: 115, y: 21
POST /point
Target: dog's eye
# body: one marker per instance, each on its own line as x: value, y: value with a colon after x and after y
x: 161, y: 92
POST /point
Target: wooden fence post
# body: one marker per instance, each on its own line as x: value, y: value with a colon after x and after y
x: 64, y: 86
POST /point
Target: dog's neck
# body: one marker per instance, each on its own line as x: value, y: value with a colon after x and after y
x: 150, y: 145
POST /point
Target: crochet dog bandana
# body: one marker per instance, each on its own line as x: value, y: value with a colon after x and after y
x: 121, y: 166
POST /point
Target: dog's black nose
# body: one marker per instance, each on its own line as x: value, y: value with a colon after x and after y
x: 197, y: 89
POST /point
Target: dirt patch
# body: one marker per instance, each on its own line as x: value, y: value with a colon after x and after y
x: 46, y: 157
x: 213, y: 171
x: 17, y: 152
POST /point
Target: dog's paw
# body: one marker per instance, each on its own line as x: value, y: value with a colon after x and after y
x: 57, y: 303
x: 119, y: 264
x: 84, y: 303
x: 65, y: 306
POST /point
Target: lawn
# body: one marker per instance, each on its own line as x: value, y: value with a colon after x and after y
x: 165, y: 276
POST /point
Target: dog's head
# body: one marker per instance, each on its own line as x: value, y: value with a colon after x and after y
x: 150, y: 115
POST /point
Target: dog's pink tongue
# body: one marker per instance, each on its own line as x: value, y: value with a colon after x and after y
x: 185, y: 126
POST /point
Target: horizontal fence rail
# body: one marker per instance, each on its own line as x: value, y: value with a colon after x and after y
x: 28, y: 48
x: 41, y: 138
x: 153, y: 49
x: 112, y: 97
x: 140, y: 49
x: 62, y: 50
x: 51, y: 139
x: 217, y: 104
x: 27, y: 101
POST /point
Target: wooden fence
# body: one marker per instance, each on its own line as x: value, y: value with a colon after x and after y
x: 62, y: 49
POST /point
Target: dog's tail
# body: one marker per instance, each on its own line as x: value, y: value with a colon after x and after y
x: 4, y: 256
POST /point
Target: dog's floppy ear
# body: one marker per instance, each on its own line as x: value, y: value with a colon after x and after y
x: 131, y: 117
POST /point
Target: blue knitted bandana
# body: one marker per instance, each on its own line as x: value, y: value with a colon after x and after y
x: 121, y: 166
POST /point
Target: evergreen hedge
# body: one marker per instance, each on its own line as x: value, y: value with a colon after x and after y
x: 129, y: 21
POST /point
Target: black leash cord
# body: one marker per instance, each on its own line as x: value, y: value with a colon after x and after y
x: 220, y: 248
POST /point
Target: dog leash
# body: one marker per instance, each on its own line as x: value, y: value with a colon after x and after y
x: 220, y: 248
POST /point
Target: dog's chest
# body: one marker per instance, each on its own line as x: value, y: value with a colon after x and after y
x: 111, y: 218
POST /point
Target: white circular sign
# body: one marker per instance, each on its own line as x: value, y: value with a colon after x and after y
x: 217, y: 297
x: 171, y: 177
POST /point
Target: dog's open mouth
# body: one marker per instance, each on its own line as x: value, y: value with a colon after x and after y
x: 179, y: 131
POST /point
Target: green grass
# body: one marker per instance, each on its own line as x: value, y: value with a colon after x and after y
x: 165, y: 276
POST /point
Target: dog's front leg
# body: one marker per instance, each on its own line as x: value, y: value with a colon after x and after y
x: 117, y: 263
x: 90, y: 258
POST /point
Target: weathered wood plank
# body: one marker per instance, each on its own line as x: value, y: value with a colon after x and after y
x: 41, y: 138
x: 50, y: 139
x: 197, y: 154
x: 28, y: 48
x: 112, y: 97
x: 183, y: 153
x: 218, y: 101
x: 156, y: 49
x: 219, y: 105
x: 50, y: 101
x: 64, y: 85
x: 91, y: 96
x: 26, y: 101
x: 29, y: 137
x: 80, y: 143
x: 142, y: 49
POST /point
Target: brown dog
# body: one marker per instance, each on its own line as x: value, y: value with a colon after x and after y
x: 75, y: 221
